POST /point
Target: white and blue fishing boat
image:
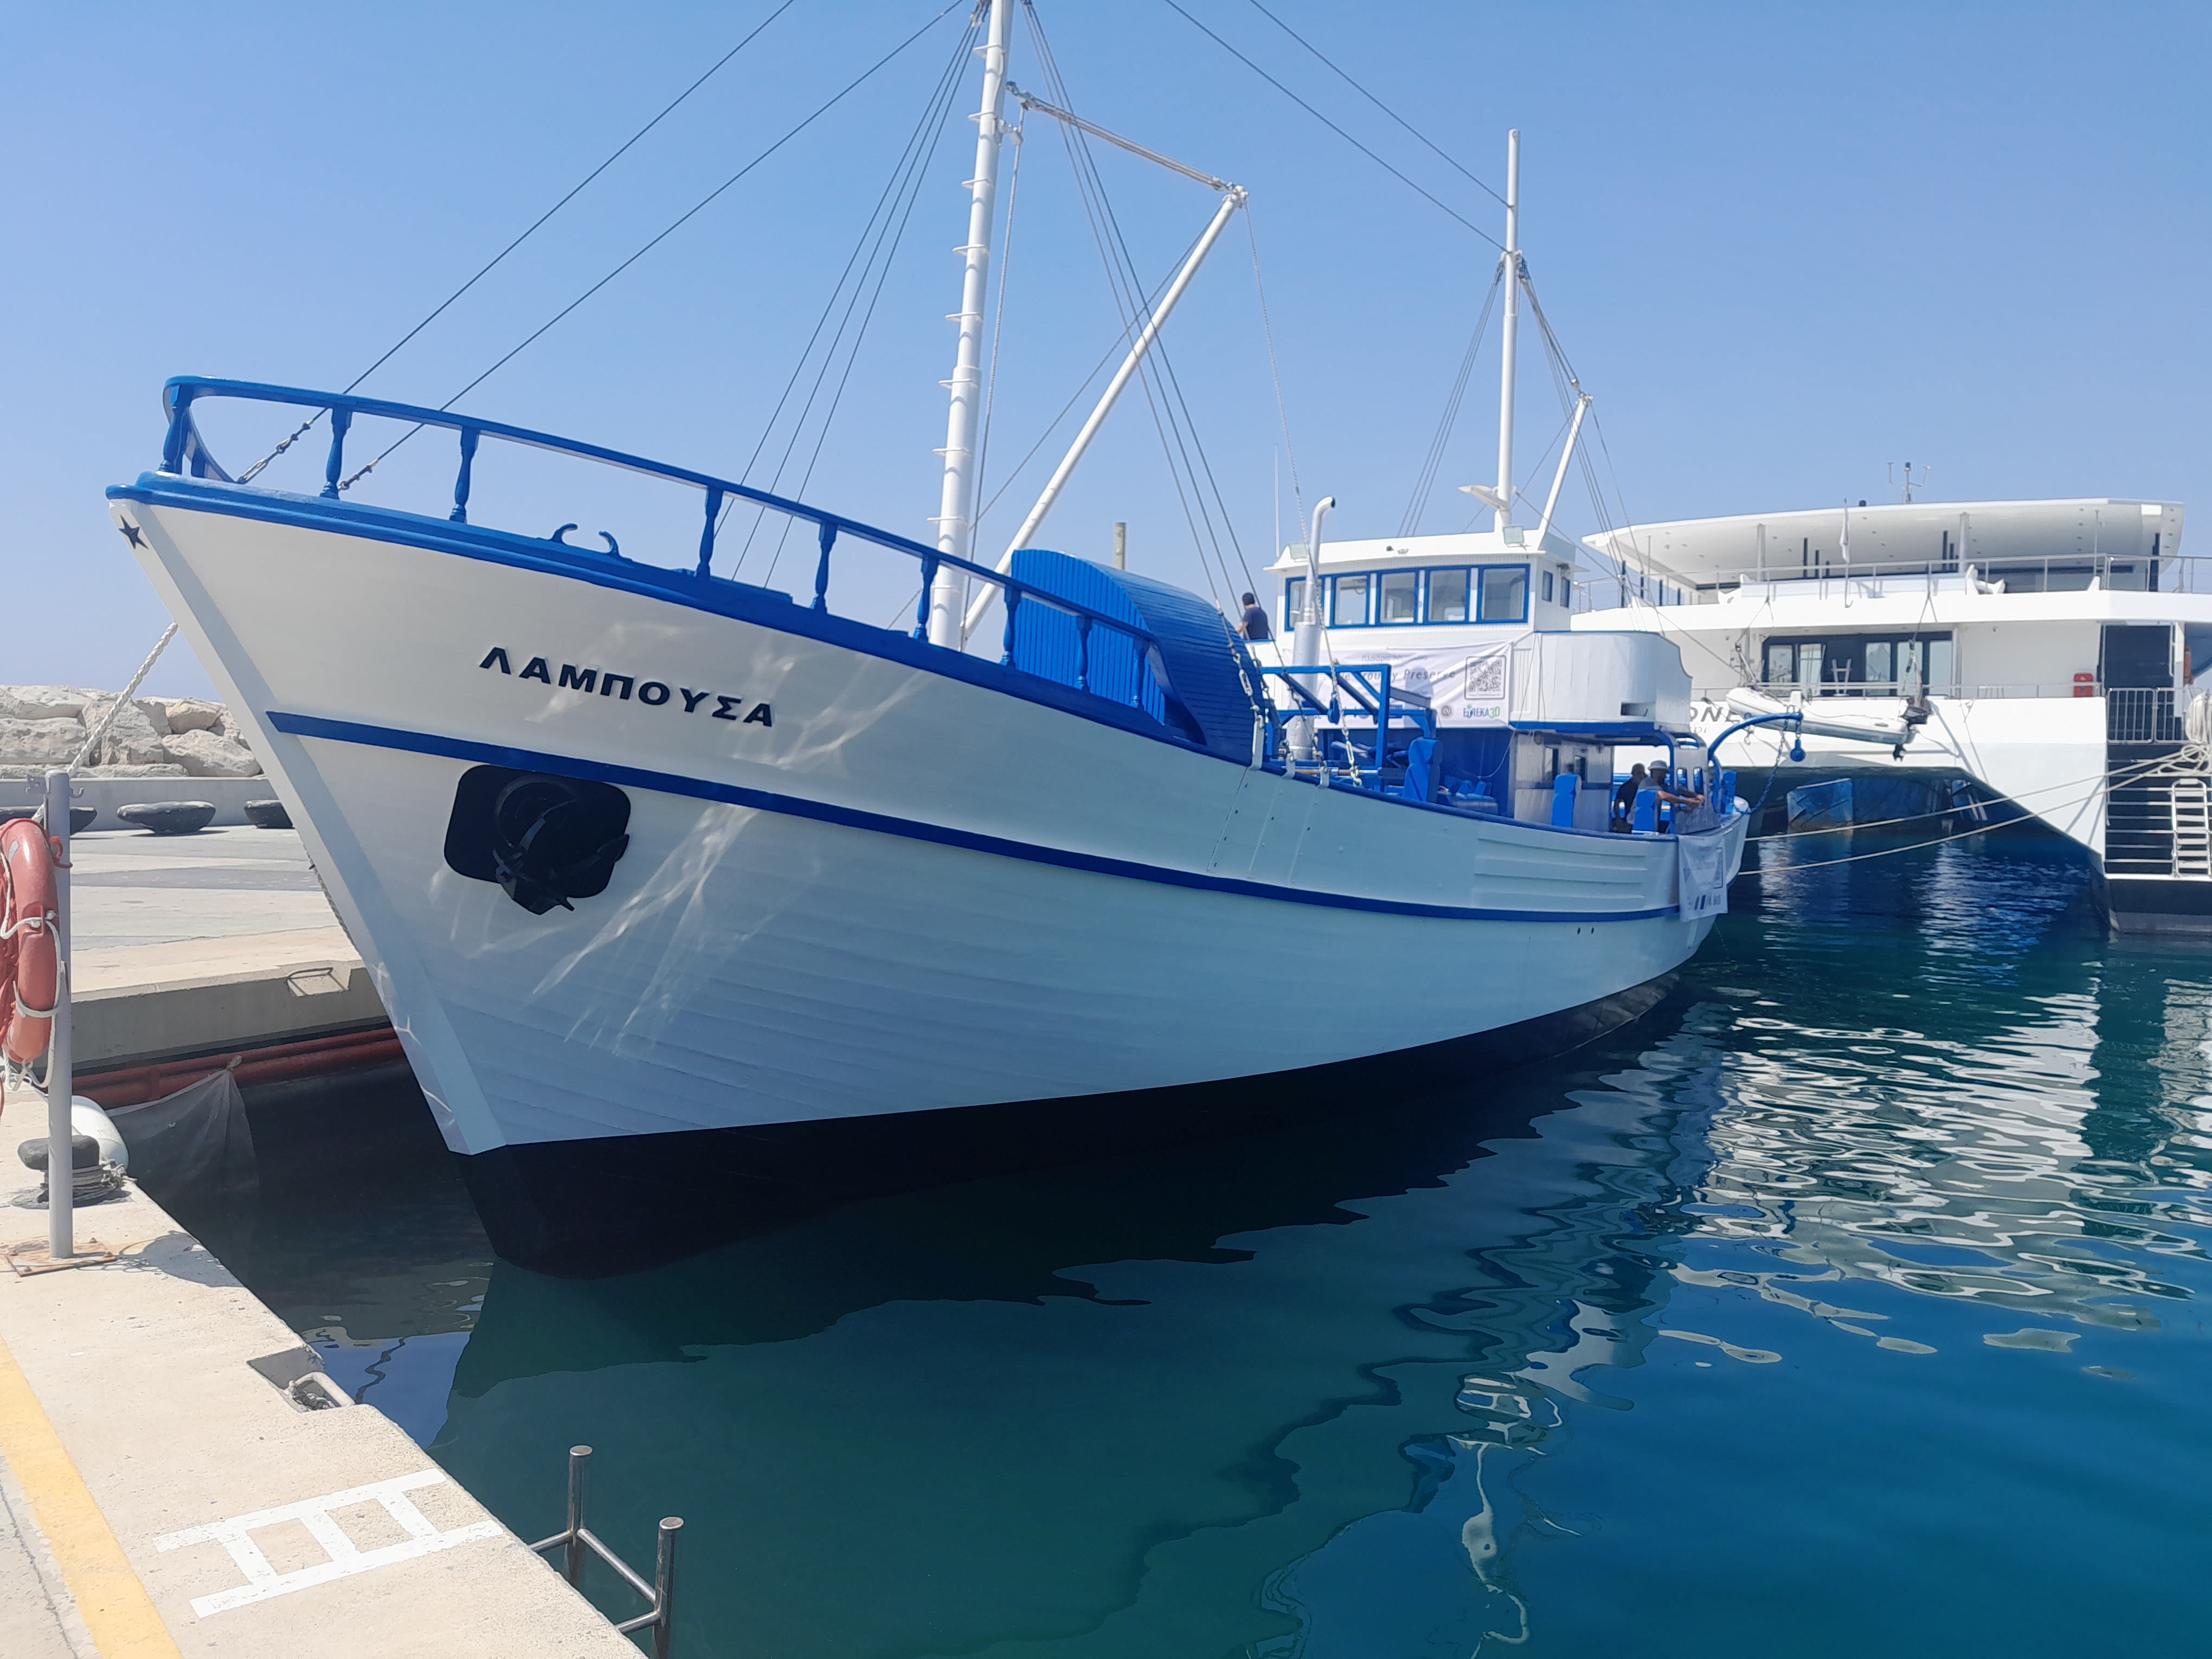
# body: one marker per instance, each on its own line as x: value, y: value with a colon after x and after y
x: 695, y: 903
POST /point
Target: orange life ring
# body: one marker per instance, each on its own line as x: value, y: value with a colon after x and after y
x: 30, y: 975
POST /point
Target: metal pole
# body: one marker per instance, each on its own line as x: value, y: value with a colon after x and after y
x: 1307, y: 642
x: 663, y: 1586
x: 1230, y: 203
x: 1506, y: 370
x: 61, y: 1073
x: 1559, y: 478
x: 1120, y: 545
x: 572, y: 1552
x: 954, y: 526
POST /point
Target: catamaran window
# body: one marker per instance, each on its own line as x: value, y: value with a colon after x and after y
x: 1400, y: 597
x: 1447, y: 596
x: 1348, y: 600
x: 1505, y: 595
x: 1854, y: 665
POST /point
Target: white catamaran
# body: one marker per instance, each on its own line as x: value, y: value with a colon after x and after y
x: 676, y: 885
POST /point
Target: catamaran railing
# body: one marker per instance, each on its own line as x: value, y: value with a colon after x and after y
x: 2054, y: 572
x: 185, y: 450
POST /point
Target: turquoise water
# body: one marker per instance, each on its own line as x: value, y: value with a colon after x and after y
x: 1852, y: 1302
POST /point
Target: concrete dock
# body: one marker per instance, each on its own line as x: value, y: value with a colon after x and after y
x: 195, y: 944
x: 178, y: 1479
x: 176, y: 1475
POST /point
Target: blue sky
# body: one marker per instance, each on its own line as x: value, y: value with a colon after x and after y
x: 1784, y: 245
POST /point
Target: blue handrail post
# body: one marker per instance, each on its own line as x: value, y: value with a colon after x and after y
x: 1083, y: 654
x: 707, y: 531
x: 928, y: 581
x: 181, y: 422
x: 469, y: 436
x: 341, y: 418
x: 1013, y: 603
x: 827, y: 535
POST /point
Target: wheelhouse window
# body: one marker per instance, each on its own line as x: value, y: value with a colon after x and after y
x: 1400, y: 597
x: 1447, y: 596
x: 1505, y: 595
x: 1348, y: 600
x: 1294, y: 604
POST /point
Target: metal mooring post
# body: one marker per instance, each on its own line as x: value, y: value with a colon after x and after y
x: 578, y: 1538
x: 61, y: 1073
x: 663, y: 1586
x: 572, y: 1557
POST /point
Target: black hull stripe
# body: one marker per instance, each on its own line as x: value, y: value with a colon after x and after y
x: 762, y: 801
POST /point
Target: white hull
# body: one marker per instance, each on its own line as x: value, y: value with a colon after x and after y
x: 899, y: 892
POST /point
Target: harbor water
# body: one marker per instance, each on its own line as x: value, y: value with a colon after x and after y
x: 1853, y: 1302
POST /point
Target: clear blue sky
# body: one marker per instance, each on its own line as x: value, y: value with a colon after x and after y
x: 1785, y: 244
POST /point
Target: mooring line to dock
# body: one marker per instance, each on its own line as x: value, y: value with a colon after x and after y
x: 2126, y: 774
x: 110, y: 1598
x: 1892, y: 852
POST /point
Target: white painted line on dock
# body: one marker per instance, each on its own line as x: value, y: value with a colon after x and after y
x: 347, y: 1557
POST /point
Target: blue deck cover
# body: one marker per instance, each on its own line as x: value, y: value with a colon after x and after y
x: 1208, y: 679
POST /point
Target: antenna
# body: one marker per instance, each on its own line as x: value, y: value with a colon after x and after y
x: 1910, y: 484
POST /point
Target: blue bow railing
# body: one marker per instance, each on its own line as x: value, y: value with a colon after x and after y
x: 185, y: 451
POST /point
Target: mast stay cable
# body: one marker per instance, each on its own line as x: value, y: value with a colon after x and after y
x: 1434, y: 201
x: 535, y: 226
x: 677, y: 223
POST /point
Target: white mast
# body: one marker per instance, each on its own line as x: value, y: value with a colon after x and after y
x: 955, y: 521
x: 1512, y: 260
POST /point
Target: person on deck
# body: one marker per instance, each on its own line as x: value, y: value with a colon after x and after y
x: 1623, y: 800
x: 1255, y: 626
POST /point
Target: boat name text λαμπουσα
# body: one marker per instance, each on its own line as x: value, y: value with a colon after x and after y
x: 653, y: 693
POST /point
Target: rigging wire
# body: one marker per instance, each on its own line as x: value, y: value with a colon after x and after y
x: 535, y: 226
x: 886, y: 228
x: 1434, y: 201
x: 1076, y: 396
x: 1426, y: 481
x: 1275, y: 368
x: 685, y: 217
x: 1163, y: 387
x: 1331, y: 65
x: 999, y: 314
x: 853, y: 355
x: 891, y: 188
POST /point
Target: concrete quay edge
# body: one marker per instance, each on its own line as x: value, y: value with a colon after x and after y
x: 140, y: 1439
x: 149, y: 1002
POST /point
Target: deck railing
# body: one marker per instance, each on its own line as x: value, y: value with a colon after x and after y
x: 185, y: 451
x: 2056, y: 573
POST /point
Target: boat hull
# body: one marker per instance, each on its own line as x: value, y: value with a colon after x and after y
x: 906, y: 920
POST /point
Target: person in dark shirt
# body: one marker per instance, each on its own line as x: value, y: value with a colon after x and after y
x: 1255, y: 621
x: 1623, y: 800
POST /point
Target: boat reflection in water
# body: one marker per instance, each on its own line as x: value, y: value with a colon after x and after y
x: 1789, y: 1317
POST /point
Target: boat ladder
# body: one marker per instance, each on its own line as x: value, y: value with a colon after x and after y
x: 2192, y: 831
x: 574, y: 1540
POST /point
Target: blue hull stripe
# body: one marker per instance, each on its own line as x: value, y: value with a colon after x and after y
x: 762, y: 801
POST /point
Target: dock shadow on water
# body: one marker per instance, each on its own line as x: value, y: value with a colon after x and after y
x: 1850, y: 1302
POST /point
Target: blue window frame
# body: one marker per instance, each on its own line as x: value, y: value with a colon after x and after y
x: 1504, y: 595
x: 1397, y: 598
x: 1347, y: 599
x: 1400, y: 599
x: 1447, y: 594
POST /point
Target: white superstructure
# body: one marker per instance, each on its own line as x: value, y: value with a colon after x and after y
x: 2045, y: 650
